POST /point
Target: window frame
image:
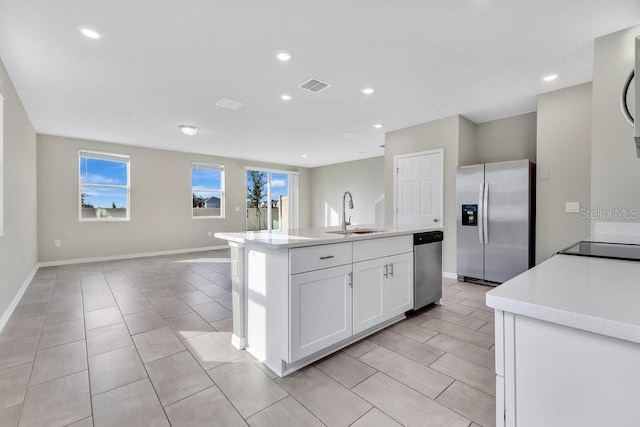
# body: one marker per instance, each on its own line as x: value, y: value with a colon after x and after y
x: 293, y: 195
x: 102, y: 155
x: 221, y: 190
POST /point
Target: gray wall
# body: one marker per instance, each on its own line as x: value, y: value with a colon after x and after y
x: 563, y: 168
x: 363, y: 178
x: 443, y: 133
x: 467, y: 145
x: 513, y: 138
x: 160, y: 202
x: 615, y: 168
x: 18, y: 245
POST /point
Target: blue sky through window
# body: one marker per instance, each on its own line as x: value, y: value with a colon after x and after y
x: 205, y: 179
x: 103, y: 172
x: 279, y: 185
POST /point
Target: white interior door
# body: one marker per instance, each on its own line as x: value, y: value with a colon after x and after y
x: 419, y: 188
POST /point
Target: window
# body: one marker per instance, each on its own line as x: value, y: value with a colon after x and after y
x: 207, y: 190
x: 272, y: 199
x: 104, y: 186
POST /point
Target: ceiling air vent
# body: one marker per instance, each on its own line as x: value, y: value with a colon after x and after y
x: 314, y: 85
x: 229, y: 104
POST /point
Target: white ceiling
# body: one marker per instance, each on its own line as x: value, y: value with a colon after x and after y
x: 164, y: 63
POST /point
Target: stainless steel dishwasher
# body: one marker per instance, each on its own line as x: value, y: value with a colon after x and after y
x: 427, y: 264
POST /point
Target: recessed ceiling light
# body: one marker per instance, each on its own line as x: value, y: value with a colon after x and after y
x: 549, y: 77
x: 188, y: 129
x: 91, y: 33
x: 367, y: 90
x: 377, y: 126
x: 285, y: 97
x: 283, y: 55
x: 304, y: 156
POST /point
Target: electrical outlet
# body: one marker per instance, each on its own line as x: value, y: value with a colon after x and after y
x: 572, y: 207
x: 57, y: 243
x: 209, y: 233
x: 237, y: 208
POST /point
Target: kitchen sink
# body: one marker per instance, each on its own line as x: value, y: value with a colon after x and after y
x: 357, y: 231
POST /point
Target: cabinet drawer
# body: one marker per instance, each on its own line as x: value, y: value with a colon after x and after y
x: 378, y: 248
x: 316, y: 257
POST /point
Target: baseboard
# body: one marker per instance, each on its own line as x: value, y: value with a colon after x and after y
x: 127, y: 256
x: 16, y: 299
x: 447, y: 275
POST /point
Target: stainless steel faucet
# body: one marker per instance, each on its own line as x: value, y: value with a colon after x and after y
x: 344, y: 213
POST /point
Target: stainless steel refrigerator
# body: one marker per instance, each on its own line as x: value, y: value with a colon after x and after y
x: 495, y: 220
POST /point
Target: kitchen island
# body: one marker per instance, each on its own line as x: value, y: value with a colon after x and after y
x: 568, y: 344
x: 299, y: 295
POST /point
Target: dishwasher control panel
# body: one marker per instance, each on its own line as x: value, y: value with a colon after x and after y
x: 427, y: 237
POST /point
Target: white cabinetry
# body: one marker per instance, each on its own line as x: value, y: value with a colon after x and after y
x: 307, y: 302
x: 368, y: 291
x: 382, y: 289
x: 554, y: 376
x: 399, y: 291
x: 382, y: 280
x: 321, y: 310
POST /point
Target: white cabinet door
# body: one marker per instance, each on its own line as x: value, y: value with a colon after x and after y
x: 321, y: 310
x: 368, y: 294
x: 399, y: 293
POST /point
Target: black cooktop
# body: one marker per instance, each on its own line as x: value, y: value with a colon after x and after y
x: 625, y: 251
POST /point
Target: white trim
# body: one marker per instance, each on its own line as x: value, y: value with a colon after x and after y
x: 113, y: 157
x: 16, y: 299
x: 256, y: 168
x: 127, y: 256
x: 221, y: 190
x: 237, y: 342
x: 395, y: 180
x: 448, y: 275
x: 103, y: 155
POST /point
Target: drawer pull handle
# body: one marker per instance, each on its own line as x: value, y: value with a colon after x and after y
x: 391, y: 269
x: 326, y: 257
x: 386, y: 271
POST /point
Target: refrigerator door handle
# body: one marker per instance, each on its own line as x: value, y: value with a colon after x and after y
x: 480, y: 214
x: 485, y: 214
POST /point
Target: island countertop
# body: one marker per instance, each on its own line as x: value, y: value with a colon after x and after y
x: 592, y: 294
x: 280, y: 239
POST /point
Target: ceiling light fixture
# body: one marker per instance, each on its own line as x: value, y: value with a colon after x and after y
x: 549, y: 77
x: 91, y: 33
x: 188, y: 129
x: 283, y: 55
x: 367, y: 90
x: 377, y: 126
x: 304, y: 156
x: 285, y: 97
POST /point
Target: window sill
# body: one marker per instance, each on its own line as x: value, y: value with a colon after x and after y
x: 104, y: 220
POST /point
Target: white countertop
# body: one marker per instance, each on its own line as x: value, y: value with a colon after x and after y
x: 593, y: 294
x: 279, y: 239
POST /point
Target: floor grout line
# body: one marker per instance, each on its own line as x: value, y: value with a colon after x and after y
x: 156, y: 267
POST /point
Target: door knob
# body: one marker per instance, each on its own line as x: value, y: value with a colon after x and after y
x: 435, y: 219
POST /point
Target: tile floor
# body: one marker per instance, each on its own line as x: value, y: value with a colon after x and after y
x: 147, y: 342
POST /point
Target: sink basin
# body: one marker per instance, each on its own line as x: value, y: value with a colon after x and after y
x: 357, y: 231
